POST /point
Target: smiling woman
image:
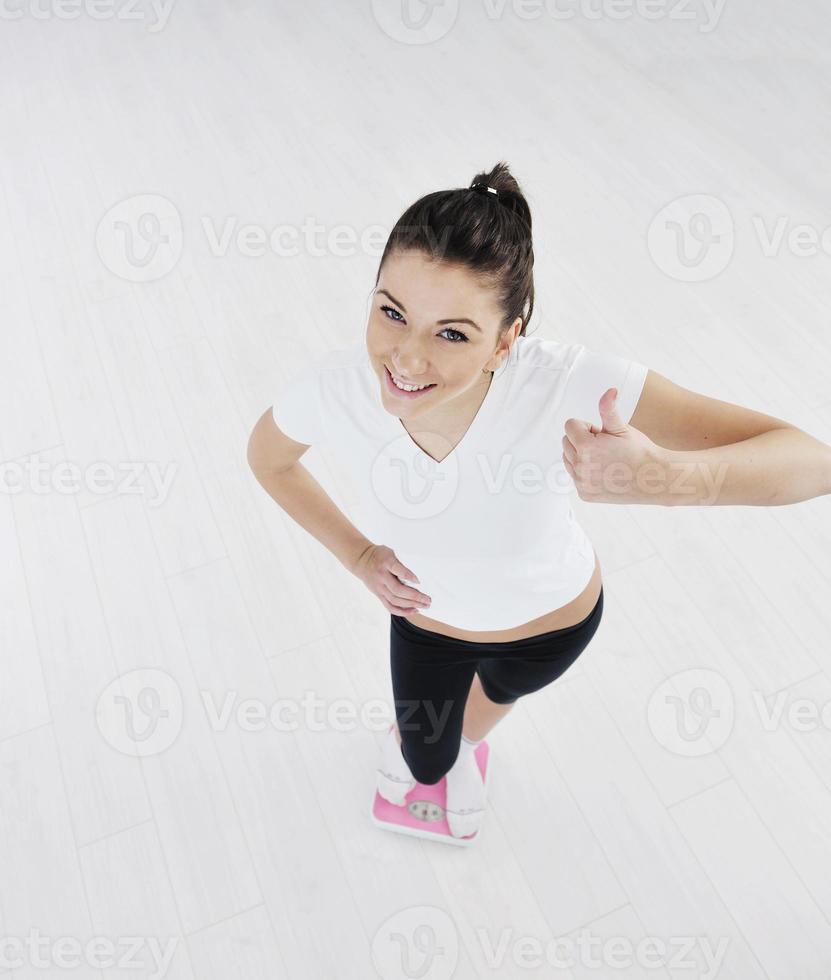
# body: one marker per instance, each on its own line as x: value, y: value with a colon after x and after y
x: 452, y: 370
x: 447, y: 419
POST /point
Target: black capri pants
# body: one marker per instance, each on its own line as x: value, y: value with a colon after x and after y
x: 432, y: 675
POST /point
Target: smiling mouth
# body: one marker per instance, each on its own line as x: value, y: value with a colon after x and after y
x: 403, y: 391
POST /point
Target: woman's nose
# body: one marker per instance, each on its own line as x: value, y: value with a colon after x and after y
x: 410, y: 360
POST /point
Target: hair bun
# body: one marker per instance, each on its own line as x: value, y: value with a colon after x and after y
x: 495, y: 242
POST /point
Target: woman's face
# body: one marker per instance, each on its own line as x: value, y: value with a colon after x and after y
x: 431, y: 323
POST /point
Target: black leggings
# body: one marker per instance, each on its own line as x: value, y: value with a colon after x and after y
x: 432, y: 675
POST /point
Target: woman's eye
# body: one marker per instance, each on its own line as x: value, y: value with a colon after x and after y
x: 460, y: 337
x: 389, y: 309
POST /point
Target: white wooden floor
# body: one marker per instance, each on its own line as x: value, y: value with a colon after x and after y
x: 670, y: 799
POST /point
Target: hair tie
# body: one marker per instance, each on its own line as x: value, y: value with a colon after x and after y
x: 483, y: 189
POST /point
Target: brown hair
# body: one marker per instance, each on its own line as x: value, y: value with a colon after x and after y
x: 488, y: 233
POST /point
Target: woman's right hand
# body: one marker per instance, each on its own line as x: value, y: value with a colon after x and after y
x: 382, y: 573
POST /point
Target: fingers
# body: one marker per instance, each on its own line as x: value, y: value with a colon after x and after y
x: 403, y: 593
x: 399, y: 589
x: 386, y: 584
x: 577, y: 429
x: 576, y: 434
x: 402, y: 571
x: 393, y: 603
x: 396, y: 610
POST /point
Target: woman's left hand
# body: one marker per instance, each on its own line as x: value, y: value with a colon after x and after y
x: 616, y: 464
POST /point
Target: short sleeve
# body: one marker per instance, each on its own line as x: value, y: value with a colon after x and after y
x: 297, y: 410
x: 591, y: 374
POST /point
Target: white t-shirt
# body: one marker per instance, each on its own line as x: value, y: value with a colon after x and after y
x: 489, y: 531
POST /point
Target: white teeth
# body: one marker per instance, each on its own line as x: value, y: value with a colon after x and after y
x: 404, y: 387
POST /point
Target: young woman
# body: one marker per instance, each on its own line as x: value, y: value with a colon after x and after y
x: 465, y: 438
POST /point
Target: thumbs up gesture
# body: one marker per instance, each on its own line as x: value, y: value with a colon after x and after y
x: 612, y: 464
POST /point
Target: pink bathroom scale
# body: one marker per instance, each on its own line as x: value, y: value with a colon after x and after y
x: 423, y: 811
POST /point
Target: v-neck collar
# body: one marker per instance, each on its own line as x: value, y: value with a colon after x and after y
x: 486, y: 409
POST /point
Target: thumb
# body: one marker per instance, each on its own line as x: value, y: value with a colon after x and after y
x: 612, y: 422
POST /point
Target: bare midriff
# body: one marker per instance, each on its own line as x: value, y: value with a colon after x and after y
x: 570, y: 614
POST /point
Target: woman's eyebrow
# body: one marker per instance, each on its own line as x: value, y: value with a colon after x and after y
x: 455, y: 319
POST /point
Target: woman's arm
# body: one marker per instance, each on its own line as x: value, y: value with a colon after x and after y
x: 274, y: 461
x: 715, y: 452
x: 307, y: 503
x: 681, y: 447
x: 781, y: 466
